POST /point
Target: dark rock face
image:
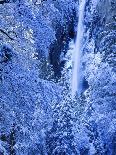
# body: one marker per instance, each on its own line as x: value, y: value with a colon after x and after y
x: 62, y: 38
x: 63, y: 35
x: 6, y: 54
x: 85, y: 84
x: 104, y: 26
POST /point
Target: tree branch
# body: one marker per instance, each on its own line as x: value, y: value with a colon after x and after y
x: 6, y: 34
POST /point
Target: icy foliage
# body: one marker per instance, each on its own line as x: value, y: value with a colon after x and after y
x: 25, y: 106
x: 37, y: 114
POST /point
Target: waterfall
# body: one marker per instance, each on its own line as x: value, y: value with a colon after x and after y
x: 76, y: 77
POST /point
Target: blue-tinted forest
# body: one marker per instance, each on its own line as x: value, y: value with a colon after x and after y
x: 57, y: 77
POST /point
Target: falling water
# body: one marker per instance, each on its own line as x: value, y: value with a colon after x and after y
x: 77, y: 51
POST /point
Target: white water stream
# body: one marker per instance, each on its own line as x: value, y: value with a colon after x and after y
x: 76, y: 75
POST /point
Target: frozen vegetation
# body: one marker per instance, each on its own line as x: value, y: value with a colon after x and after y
x: 38, y: 115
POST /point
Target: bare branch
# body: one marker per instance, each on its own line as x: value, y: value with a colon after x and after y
x: 1, y: 30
